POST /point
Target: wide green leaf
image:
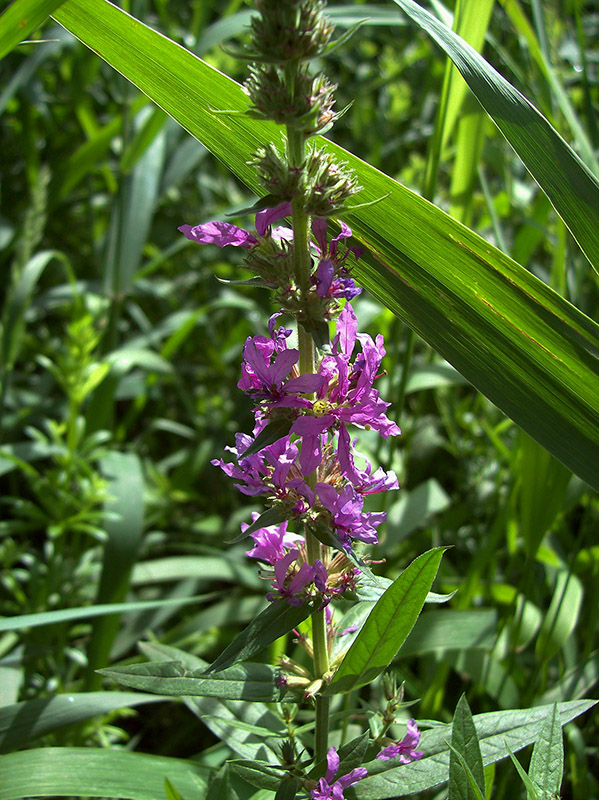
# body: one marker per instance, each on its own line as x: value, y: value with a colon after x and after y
x: 96, y: 772
x: 498, y: 733
x: 21, y: 18
x: 559, y: 171
x: 537, y: 357
x: 388, y: 624
x: 21, y: 723
x: 252, y: 682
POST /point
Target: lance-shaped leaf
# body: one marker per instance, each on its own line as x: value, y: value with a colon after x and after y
x: 547, y: 760
x: 537, y: 357
x: 563, y: 176
x: 275, y: 621
x: 272, y: 516
x: 388, y: 624
x: 465, y: 760
x: 498, y: 733
x: 252, y: 682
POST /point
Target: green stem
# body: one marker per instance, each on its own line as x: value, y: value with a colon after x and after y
x: 296, y: 143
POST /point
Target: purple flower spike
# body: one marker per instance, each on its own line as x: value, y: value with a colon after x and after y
x: 219, y: 233
x: 406, y: 749
x: 330, y: 789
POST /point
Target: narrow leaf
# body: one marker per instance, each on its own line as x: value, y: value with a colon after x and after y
x: 547, y: 761
x: 24, y: 722
x: 464, y: 741
x: 388, y: 624
x: 275, y: 430
x: 275, y: 621
x: 498, y: 733
x: 251, y: 682
x: 559, y: 171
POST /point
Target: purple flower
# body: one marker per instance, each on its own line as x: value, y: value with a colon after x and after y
x: 289, y: 585
x: 364, y: 481
x: 349, y: 520
x: 220, y: 234
x: 271, y: 544
x: 265, y: 369
x: 224, y: 233
x: 330, y: 789
x: 347, y: 395
x: 332, y: 277
x: 406, y: 749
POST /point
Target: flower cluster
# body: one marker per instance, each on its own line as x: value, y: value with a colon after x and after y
x: 300, y: 456
x: 268, y: 254
x: 331, y: 788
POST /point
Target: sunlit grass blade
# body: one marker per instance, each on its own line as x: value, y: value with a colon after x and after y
x: 514, y: 11
x: 21, y: 18
x: 559, y: 171
x: 536, y: 356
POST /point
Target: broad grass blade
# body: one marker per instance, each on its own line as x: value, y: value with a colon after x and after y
x: 536, y: 356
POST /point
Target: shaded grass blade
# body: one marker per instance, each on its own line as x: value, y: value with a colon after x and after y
x: 21, y: 723
x: 96, y: 772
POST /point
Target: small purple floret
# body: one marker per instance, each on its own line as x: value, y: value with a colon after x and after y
x: 406, y: 749
x: 330, y: 789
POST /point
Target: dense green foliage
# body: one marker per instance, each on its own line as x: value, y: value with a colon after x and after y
x: 119, y: 357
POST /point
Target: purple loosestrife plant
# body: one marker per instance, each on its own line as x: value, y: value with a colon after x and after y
x: 312, y: 392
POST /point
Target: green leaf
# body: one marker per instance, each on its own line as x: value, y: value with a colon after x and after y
x: 21, y: 723
x: 220, y: 786
x: 547, y: 762
x: 21, y: 18
x: 559, y: 171
x: 531, y: 789
x: 537, y: 357
x: 251, y: 682
x: 288, y: 789
x: 275, y: 621
x: 259, y: 775
x: 561, y: 617
x: 124, y: 527
x: 464, y: 742
x: 70, y: 614
x: 272, y: 516
x: 388, y: 624
x: 498, y: 733
x: 275, y: 430
x: 96, y: 772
